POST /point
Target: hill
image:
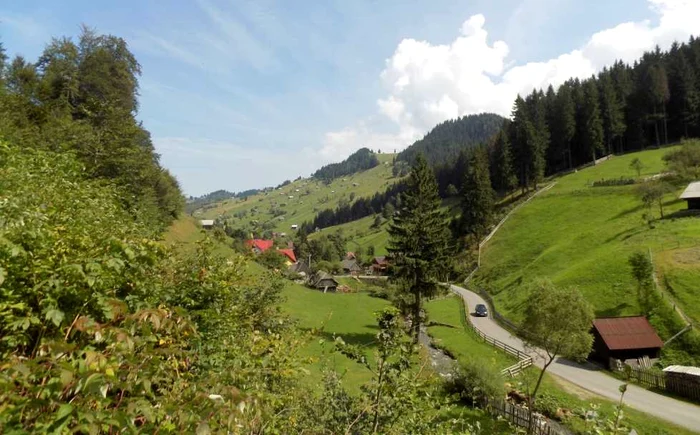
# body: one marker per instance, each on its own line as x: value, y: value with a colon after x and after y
x: 359, y: 161
x: 580, y: 235
x: 299, y: 201
x: 445, y: 141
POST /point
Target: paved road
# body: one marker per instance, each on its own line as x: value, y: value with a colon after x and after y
x: 590, y: 377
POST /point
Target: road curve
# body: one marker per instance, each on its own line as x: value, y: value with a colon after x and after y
x: 589, y: 376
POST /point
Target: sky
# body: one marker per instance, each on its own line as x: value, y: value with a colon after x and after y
x: 242, y: 94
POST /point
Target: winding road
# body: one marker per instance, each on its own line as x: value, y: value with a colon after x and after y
x: 589, y: 376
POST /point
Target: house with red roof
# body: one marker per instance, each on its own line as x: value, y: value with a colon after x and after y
x: 289, y: 253
x: 259, y: 245
x: 624, y: 338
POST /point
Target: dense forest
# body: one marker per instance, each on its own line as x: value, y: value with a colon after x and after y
x: 361, y: 160
x: 80, y: 97
x: 446, y: 140
x: 652, y: 102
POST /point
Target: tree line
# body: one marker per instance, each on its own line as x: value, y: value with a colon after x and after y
x: 653, y: 102
x: 361, y: 160
x: 81, y: 97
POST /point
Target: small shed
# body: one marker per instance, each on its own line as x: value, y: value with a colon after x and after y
x: 351, y: 267
x: 683, y: 380
x: 692, y: 195
x: 300, y: 267
x: 324, y: 281
x: 624, y: 338
x: 207, y: 224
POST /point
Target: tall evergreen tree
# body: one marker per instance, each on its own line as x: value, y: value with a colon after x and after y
x: 592, y: 125
x: 521, y: 134
x: 418, y: 241
x: 477, y: 196
x: 611, y: 110
x: 504, y: 174
x: 538, y: 141
x: 563, y: 126
x: 655, y: 82
x: 684, y: 93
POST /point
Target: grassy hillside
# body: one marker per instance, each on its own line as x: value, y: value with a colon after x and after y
x: 580, y: 235
x: 309, y: 197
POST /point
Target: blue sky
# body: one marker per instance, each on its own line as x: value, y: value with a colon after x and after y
x: 241, y: 94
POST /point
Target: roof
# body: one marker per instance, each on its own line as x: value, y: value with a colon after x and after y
x: 695, y: 371
x: 380, y: 260
x: 350, y: 265
x: 692, y: 191
x: 262, y: 245
x: 621, y: 333
x: 289, y: 253
x: 322, y: 276
x: 206, y: 222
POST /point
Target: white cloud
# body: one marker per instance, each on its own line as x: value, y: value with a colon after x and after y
x: 427, y: 83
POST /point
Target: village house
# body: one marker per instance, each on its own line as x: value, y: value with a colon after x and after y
x: 324, y: 281
x: 351, y: 267
x: 207, y: 224
x: 379, y: 266
x: 692, y: 195
x: 258, y: 246
x: 624, y: 338
x: 289, y: 253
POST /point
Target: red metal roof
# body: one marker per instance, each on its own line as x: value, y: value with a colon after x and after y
x: 289, y: 253
x: 262, y: 245
x: 627, y: 333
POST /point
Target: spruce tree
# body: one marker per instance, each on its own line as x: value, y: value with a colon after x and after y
x: 477, y: 196
x: 611, y: 110
x: 592, y: 132
x: 564, y: 125
x: 418, y: 241
x: 505, y: 180
x: 685, y: 95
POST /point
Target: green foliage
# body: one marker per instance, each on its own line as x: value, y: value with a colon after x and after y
x: 478, y: 382
x: 653, y: 192
x: 272, y: 259
x: 477, y: 196
x: 419, y: 240
x: 684, y: 162
x: 637, y: 166
x: 83, y: 98
x: 642, y: 270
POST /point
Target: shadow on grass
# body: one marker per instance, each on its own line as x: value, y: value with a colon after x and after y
x: 682, y: 214
x: 627, y: 212
x: 612, y: 312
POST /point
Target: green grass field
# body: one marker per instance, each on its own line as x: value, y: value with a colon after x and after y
x: 309, y: 197
x: 580, y: 235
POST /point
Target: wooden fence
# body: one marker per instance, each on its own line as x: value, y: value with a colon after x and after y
x: 520, y: 416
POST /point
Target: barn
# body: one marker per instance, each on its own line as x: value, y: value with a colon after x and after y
x: 624, y: 338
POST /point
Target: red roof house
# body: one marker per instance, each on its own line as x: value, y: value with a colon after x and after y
x: 289, y: 253
x: 259, y: 245
x: 625, y: 338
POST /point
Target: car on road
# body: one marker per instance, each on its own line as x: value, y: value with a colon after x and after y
x: 480, y: 310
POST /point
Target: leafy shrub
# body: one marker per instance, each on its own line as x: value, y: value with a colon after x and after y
x: 622, y: 181
x: 477, y: 382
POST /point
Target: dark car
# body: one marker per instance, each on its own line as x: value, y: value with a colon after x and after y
x: 480, y: 310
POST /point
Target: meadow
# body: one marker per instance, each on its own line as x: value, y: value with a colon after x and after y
x: 579, y: 235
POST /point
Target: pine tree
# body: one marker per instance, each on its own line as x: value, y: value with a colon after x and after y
x: 611, y: 110
x: 477, y: 196
x: 685, y: 97
x: 592, y: 132
x: 521, y: 133
x: 539, y: 136
x: 505, y: 179
x: 418, y: 240
x: 657, y: 94
x: 564, y: 125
